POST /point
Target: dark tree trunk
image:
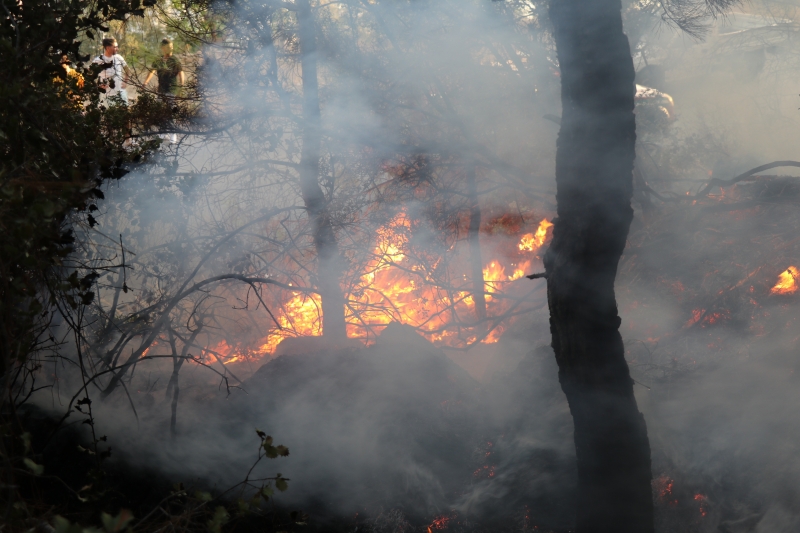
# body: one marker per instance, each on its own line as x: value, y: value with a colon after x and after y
x: 329, y: 261
x: 476, y: 261
x: 594, y: 165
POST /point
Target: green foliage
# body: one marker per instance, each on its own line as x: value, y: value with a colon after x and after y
x: 58, y: 146
x: 115, y: 524
x: 111, y: 524
x: 62, y: 525
x: 37, y: 469
x: 220, y: 518
x: 203, y: 496
x: 275, y: 451
x: 280, y: 483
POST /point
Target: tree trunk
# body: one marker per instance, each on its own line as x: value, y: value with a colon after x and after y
x: 476, y: 261
x: 329, y: 261
x: 594, y: 165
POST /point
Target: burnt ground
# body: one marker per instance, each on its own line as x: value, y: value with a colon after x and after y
x: 393, y: 437
x: 414, y: 433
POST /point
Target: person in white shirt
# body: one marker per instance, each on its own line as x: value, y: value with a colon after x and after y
x: 115, y: 74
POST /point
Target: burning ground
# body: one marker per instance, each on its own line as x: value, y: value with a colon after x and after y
x: 717, y: 382
x: 401, y: 434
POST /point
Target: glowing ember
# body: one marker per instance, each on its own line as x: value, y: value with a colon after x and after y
x: 484, y: 472
x: 531, y: 242
x: 697, y: 314
x: 706, y: 318
x: 439, y: 523
x: 662, y: 487
x: 702, y: 499
x: 786, y: 282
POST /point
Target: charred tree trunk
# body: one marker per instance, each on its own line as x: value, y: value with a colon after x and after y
x: 329, y: 261
x: 594, y: 165
x: 476, y: 261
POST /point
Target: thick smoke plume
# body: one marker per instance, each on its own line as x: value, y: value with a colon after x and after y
x: 414, y: 97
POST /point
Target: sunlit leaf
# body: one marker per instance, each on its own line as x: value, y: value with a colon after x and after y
x: 37, y: 469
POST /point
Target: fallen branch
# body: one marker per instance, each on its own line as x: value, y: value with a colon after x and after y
x: 724, y: 183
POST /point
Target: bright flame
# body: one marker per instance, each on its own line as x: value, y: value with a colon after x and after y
x: 786, y: 281
x: 300, y: 316
x: 494, y: 274
x: 531, y: 242
x: 398, y: 286
x: 395, y: 288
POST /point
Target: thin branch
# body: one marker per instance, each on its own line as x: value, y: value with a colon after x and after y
x: 725, y: 183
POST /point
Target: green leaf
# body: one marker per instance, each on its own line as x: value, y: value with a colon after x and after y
x: 115, y: 524
x: 203, y: 496
x: 37, y: 469
x: 26, y: 441
x: 267, y: 491
x: 281, y: 484
x: 219, y: 519
x: 243, y: 506
x: 62, y: 525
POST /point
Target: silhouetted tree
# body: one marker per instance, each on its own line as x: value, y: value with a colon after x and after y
x: 594, y: 164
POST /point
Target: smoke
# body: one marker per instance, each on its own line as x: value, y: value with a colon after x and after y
x: 410, y: 94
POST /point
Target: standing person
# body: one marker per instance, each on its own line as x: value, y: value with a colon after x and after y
x: 169, y: 71
x: 115, y: 74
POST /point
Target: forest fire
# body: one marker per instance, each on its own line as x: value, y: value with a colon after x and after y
x: 298, y: 316
x: 396, y: 286
x: 786, y: 282
x: 328, y: 221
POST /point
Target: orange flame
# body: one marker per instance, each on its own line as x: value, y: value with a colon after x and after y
x: 786, y: 282
x: 396, y: 286
x: 531, y: 242
x: 300, y: 316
